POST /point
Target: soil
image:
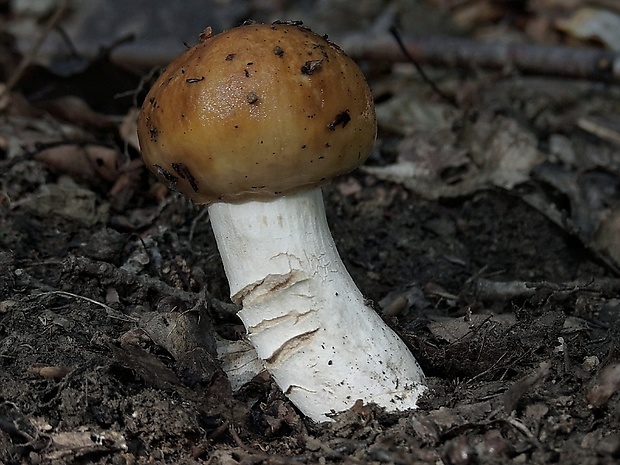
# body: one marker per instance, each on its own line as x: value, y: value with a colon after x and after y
x: 73, y: 366
x: 92, y: 289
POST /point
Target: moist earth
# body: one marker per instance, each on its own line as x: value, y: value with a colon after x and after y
x: 82, y: 381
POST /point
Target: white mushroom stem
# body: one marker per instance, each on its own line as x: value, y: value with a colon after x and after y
x: 309, y: 323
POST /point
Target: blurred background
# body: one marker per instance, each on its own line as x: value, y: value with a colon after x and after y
x: 153, y: 31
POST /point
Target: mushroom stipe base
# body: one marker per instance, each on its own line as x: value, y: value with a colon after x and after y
x: 303, y: 313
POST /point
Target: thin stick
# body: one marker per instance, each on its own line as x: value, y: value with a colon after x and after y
x: 430, y: 82
x: 109, y: 310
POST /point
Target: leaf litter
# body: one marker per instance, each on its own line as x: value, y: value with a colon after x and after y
x: 488, y: 234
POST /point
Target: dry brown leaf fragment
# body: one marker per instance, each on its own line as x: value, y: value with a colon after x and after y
x: 6, y: 305
x: 67, y: 201
x: 408, y: 112
x: 496, y: 151
x: 507, y: 152
x: 23, y: 130
x: 455, y: 329
x: 126, y: 183
x: 604, y: 386
x: 71, y: 444
x: 519, y: 388
x: 433, y: 155
x: 75, y: 110
x: 86, y: 162
x: 445, y: 418
x: 50, y: 371
x: 425, y: 429
x: 179, y: 332
x: 593, y: 24
x: 494, y: 445
x: 476, y: 14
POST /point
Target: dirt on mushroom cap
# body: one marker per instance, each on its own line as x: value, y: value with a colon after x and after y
x: 257, y: 111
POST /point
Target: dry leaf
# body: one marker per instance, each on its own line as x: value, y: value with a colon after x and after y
x: 52, y: 372
x: 476, y: 14
x: 239, y: 361
x: 455, y: 329
x: 6, y: 305
x: 67, y: 201
x: 126, y: 183
x: 594, y: 207
x: 22, y: 132
x: 505, y: 151
x: 67, y: 446
x: 500, y: 153
x: 409, y: 109
x: 519, y: 388
x: 76, y: 111
x: 88, y: 162
x: 593, y: 24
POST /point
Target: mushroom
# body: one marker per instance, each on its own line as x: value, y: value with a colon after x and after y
x: 252, y: 122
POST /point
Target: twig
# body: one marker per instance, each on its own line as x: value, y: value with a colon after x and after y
x: 109, y: 310
x: 197, y: 219
x: 600, y: 127
x: 116, y: 276
x: 519, y: 426
x: 494, y: 365
x: 420, y: 70
x: 507, y: 290
x: 145, y: 82
x: 85, y: 266
x: 453, y: 52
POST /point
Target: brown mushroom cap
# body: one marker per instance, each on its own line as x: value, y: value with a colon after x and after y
x: 256, y: 111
